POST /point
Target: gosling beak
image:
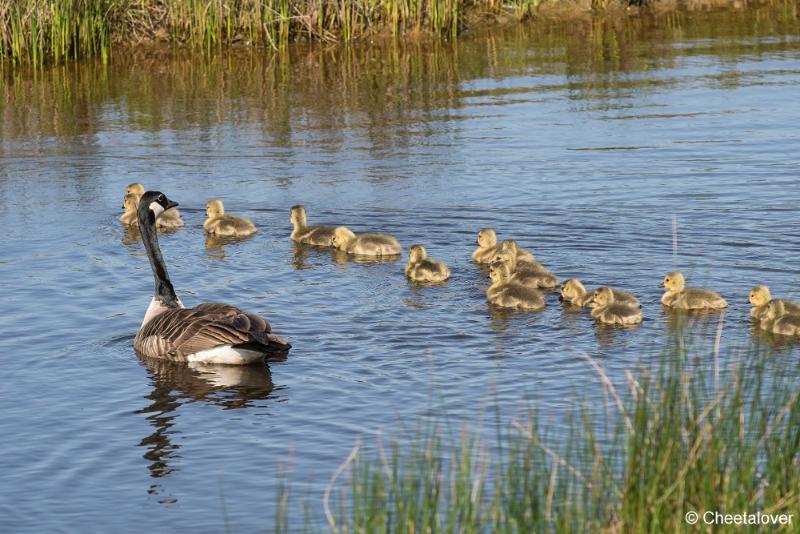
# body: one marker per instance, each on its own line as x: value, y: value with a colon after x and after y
x: 170, y: 204
x: 662, y: 285
x: 561, y: 298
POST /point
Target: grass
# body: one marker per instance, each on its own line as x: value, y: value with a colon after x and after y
x: 51, y: 31
x: 680, y: 439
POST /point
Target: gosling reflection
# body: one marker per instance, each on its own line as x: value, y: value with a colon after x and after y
x: 226, y: 386
x: 342, y: 257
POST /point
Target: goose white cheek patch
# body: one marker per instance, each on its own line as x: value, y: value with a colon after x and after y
x: 156, y: 208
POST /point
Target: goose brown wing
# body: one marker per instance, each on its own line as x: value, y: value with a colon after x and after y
x: 177, y: 333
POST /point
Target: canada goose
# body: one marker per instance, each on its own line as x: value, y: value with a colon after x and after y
x: 130, y: 204
x: 420, y: 268
x: 760, y: 297
x: 573, y: 290
x: 778, y: 320
x: 169, y: 219
x: 608, y: 311
x: 504, y: 292
x: 208, y: 333
x: 533, y: 275
x: 219, y: 224
x: 681, y: 297
x: 310, y: 235
x: 487, y: 246
x: 365, y: 244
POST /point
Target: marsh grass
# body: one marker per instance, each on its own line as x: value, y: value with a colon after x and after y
x: 675, y: 440
x: 51, y: 31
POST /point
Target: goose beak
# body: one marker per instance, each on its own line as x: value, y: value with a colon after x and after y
x: 170, y: 204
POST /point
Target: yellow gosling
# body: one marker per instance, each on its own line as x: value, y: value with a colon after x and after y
x: 778, y: 321
x: 130, y: 203
x: 219, y: 224
x: 420, y: 268
x: 487, y: 246
x: 608, y: 311
x: 680, y: 297
x: 507, y: 294
x: 527, y: 274
x: 573, y: 291
x: 365, y: 244
x: 760, y: 298
x: 310, y: 235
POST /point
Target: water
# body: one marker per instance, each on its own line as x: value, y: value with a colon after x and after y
x: 582, y: 142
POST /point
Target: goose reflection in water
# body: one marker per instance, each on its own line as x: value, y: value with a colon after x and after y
x: 229, y: 387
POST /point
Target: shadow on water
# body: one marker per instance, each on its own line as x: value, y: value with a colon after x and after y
x: 175, y: 384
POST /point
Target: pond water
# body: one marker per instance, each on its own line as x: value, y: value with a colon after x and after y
x: 582, y: 141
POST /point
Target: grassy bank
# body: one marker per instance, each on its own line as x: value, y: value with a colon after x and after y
x: 674, y: 441
x: 51, y: 31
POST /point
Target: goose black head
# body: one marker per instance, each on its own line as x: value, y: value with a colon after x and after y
x: 154, y: 202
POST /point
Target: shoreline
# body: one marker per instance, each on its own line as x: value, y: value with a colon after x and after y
x: 82, y: 29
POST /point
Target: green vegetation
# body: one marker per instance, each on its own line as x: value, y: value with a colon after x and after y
x: 38, y: 32
x: 680, y: 439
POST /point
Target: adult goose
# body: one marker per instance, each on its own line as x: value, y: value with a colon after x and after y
x: 208, y: 333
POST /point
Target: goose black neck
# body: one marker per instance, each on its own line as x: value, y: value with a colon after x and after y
x: 163, y: 287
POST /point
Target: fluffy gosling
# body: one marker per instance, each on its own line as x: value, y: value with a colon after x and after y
x: 487, y: 246
x: 573, y: 291
x: 504, y: 292
x: 219, y: 224
x: 760, y: 298
x: 778, y: 320
x: 680, y: 297
x: 420, y: 268
x: 170, y: 219
x: 310, y: 235
x: 525, y: 260
x: 608, y: 311
x: 527, y: 274
x: 365, y: 244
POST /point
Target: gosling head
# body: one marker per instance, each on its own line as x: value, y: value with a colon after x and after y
x: 298, y: 216
x: 130, y: 203
x: 499, y: 272
x: 135, y: 189
x: 215, y: 208
x: 603, y: 296
x: 154, y: 202
x: 674, y: 281
x: 342, y: 237
x: 487, y: 238
x: 417, y: 253
x: 572, y: 288
x: 759, y: 296
x: 775, y: 309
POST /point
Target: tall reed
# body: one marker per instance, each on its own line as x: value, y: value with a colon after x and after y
x: 676, y: 442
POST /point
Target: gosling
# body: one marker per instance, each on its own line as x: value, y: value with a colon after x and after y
x: 527, y: 274
x: 219, y: 224
x: 365, y: 244
x: 321, y: 236
x: 130, y: 203
x: 487, y: 246
x: 608, y: 311
x: 760, y: 298
x: 679, y: 296
x: 573, y: 291
x: 504, y: 292
x: 420, y: 268
x: 168, y: 220
x: 778, y: 320
x: 525, y: 260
